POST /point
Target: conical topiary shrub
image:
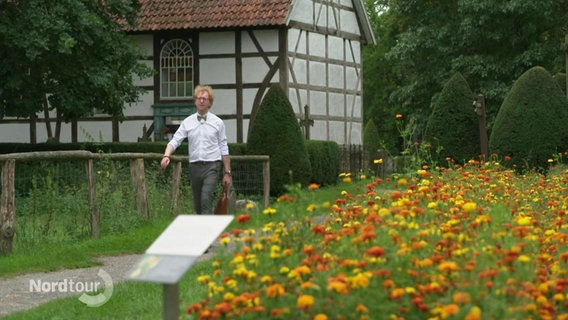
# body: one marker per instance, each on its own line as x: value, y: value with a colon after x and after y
x: 275, y: 132
x: 453, y: 123
x: 530, y: 126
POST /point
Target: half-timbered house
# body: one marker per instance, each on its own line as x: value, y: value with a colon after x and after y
x: 312, y: 48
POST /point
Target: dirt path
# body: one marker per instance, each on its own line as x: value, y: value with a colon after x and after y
x: 24, y: 292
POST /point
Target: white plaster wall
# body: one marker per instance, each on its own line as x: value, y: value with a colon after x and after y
x: 225, y: 102
x: 303, y: 11
x: 216, y: 42
x: 336, y: 105
x: 143, y: 107
x: 317, y: 73
x: 268, y: 40
x: 248, y: 100
x: 337, y: 131
x: 318, y: 131
x: 297, y: 40
x: 298, y: 105
x: 299, y: 67
x: 348, y: 20
x: 130, y: 131
x: 15, y: 132
x: 337, y: 44
x: 217, y: 71
x: 317, y: 44
x: 318, y: 103
x: 336, y: 77
x: 254, y: 69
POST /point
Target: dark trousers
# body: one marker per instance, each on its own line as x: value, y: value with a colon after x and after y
x: 204, y: 177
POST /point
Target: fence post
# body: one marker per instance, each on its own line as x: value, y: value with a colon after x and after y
x: 176, y: 180
x: 139, y: 182
x: 7, y: 208
x: 95, y: 217
x: 266, y: 183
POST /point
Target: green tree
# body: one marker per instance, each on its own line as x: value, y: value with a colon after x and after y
x: 491, y: 43
x: 453, y: 126
x: 531, y: 124
x: 275, y: 132
x: 71, y: 56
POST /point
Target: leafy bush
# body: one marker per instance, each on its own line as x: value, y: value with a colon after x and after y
x: 531, y: 126
x: 325, y: 161
x: 453, y: 126
x: 275, y: 132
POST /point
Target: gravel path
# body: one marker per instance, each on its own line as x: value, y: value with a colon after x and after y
x: 19, y: 293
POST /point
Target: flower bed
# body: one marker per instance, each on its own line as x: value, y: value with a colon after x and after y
x: 473, y: 242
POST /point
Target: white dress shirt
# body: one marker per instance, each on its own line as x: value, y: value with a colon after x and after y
x: 207, y: 138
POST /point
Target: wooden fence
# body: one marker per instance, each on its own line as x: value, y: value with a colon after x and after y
x: 137, y: 174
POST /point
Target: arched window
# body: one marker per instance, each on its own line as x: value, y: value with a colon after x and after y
x: 176, y: 70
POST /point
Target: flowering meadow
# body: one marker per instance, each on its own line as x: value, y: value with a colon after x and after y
x: 472, y: 242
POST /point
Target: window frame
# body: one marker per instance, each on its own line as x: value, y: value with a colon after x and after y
x: 177, y: 70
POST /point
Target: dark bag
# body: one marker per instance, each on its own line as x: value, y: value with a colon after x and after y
x: 222, y: 204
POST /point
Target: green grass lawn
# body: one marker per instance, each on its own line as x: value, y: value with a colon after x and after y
x: 135, y: 300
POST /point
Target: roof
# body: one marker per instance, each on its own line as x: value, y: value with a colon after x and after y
x: 157, y: 15
x: 202, y: 14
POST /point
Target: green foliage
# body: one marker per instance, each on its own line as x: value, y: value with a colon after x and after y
x: 325, y: 161
x: 531, y: 124
x: 371, y: 140
x: 423, y: 43
x: 275, y: 132
x: 560, y: 79
x: 72, y: 54
x: 453, y: 125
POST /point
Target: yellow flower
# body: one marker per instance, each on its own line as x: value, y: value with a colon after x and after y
x: 378, y: 161
x: 269, y: 211
x: 305, y: 301
x: 524, y: 221
x: 320, y: 316
x: 469, y: 206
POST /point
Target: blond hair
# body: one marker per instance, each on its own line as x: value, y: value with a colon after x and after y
x: 207, y: 89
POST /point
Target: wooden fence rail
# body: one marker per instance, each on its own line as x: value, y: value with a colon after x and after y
x: 137, y: 174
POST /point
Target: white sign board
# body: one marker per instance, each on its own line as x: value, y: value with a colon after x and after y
x: 190, y: 235
x: 178, y: 247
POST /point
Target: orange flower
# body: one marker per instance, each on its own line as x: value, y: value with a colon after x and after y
x: 461, y: 298
x: 313, y: 186
x: 398, y: 116
x: 275, y: 290
x: 448, y: 266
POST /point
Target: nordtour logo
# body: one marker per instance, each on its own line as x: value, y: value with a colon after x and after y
x: 92, y: 296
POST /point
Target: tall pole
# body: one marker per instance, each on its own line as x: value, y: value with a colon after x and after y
x: 566, y: 55
x: 479, y: 107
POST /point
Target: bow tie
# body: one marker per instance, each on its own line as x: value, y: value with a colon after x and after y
x: 201, y: 118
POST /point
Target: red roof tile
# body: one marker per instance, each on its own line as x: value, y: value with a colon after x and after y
x: 199, y: 14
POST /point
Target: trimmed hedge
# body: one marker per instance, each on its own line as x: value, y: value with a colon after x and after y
x: 530, y: 126
x: 453, y: 124
x: 275, y: 132
x: 325, y: 160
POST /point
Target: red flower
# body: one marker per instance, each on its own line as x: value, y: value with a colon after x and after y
x: 243, y: 218
x: 376, y: 251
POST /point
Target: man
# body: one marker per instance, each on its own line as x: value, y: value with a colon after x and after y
x: 208, y: 150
